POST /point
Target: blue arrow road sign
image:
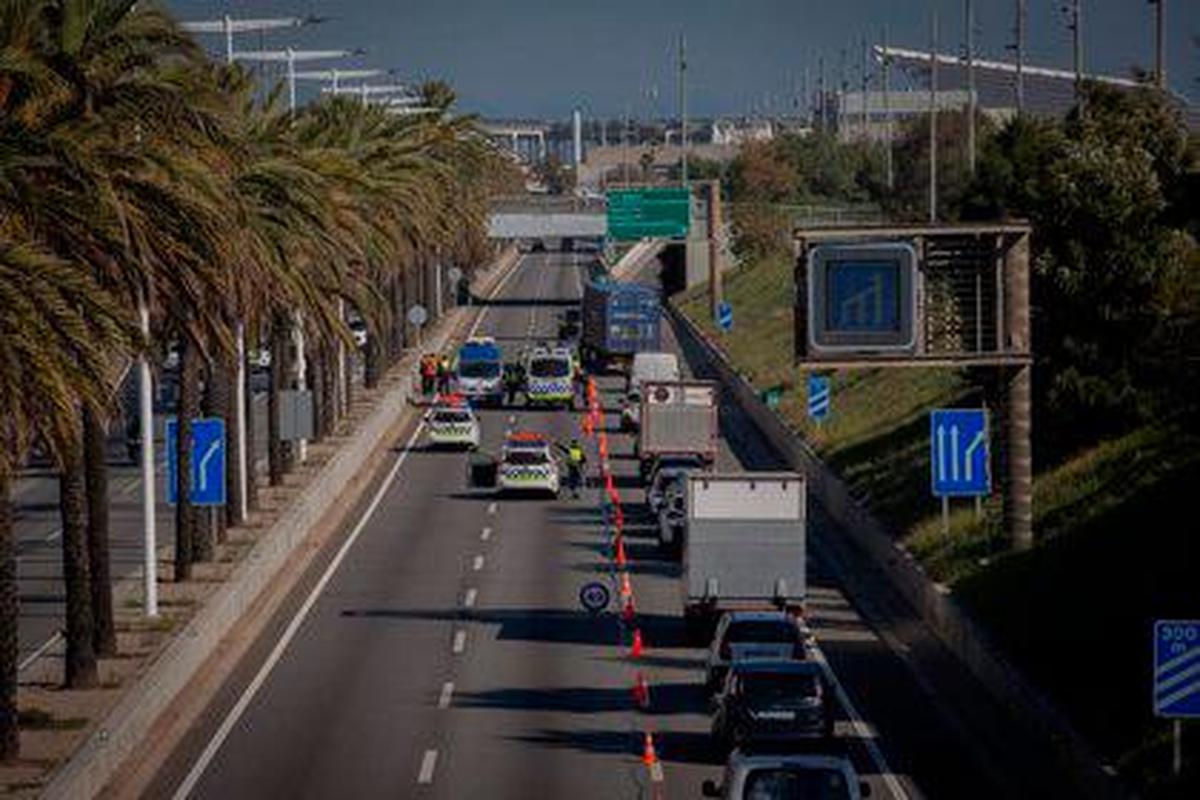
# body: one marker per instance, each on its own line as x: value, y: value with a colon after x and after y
x: 724, y: 316
x: 818, y: 397
x: 958, y: 448
x: 1177, y: 668
x: 208, y: 461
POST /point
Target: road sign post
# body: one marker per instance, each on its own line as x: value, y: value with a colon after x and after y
x: 207, y: 461
x: 724, y: 316
x: 417, y: 317
x: 819, y: 393
x: 1177, y: 677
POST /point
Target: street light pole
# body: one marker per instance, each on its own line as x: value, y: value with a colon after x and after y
x: 970, y: 36
x: 1020, y: 57
x: 683, y: 118
x: 887, y: 111
x: 146, y: 425
x: 933, y: 90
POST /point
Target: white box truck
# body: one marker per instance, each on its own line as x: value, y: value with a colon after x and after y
x: 744, y: 547
x: 678, y: 418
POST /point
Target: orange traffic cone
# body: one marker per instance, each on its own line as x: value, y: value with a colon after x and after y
x: 628, y: 611
x: 636, y: 650
x: 641, y: 691
x: 649, y: 757
x: 620, y: 518
x: 621, y: 551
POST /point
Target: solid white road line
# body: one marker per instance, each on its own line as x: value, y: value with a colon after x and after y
x: 460, y: 642
x: 447, y: 693
x: 428, y: 764
x: 243, y: 702
x: 469, y: 599
x: 477, y: 563
x: 864, y: 730
x: 485, y: 534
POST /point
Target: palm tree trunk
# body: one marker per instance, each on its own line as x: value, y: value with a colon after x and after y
x: 80, y: 666
x: 104, y: 634
x: 316, y: 373
x: 275, y: 451
x: 329, y: 408
x: 188, y: 406
x: 252, y: 432
x: 396, y: 332
x: 227, y: 381
x: 10, y: 738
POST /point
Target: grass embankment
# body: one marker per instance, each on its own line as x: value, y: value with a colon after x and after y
x: 1116, y: 539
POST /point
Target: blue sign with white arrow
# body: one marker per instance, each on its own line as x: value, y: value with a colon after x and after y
x: 819, y: 392
x: 1177, y: 668
x: 724, y: 316
x: 207, y: 461
x: 958, y: 445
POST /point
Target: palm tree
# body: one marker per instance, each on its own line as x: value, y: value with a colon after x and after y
x: 58, y: 332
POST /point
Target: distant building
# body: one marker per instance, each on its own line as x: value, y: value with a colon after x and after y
x: 741, y: 131
x: 1047, y: 92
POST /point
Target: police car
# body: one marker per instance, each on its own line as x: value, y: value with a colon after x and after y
x: 550, y: 377
x: 454, y: 424
x: 527, y: 464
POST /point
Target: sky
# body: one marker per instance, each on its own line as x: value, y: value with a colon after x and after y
x: 541, y: 58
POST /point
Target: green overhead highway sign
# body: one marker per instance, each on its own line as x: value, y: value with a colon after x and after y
x: 637, y: 213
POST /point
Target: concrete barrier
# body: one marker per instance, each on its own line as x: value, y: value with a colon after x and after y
x: 333, y: 491
x: 954, y: 627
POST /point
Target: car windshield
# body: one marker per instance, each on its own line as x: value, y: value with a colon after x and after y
x: 550, y: 368
x: 452, y: 416
x: 796, y: 783
x: 523, y: 458
x: 771, y: 631
x: 771, y: 688
x: 478, y: 369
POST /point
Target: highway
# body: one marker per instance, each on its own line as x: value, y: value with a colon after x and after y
x: 437, y: 649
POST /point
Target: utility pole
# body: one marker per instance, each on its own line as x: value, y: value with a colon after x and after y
x: 887, y: 110
x: 806, y: 107
x: 1076, y: 25
x: 1020, y: 57
x: 683, y: 118
x: 970, y: 23
x: 933, y: 91
x: 866, y: 85
x: 1160, y: 69
x: 821, y: 91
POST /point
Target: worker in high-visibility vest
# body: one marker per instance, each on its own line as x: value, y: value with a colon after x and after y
x: 576, y: 460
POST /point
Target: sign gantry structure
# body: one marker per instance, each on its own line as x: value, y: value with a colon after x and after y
x: 953, y: 295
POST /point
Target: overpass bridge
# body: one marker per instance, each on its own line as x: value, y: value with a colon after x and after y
x: 547, y: 217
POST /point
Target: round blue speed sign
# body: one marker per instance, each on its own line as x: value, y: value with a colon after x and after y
x: 594, y: 597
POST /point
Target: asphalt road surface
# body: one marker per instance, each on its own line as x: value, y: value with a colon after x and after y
x: 438, y: 648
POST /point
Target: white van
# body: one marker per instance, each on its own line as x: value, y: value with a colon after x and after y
x: 646, y: 367
x: 652, y: 367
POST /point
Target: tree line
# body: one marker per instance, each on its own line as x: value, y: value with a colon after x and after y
x: 136, y: 174
x: 1111, y: 192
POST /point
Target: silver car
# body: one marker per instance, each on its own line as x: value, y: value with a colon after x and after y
x: 755, y: 635
x: 788, y: 777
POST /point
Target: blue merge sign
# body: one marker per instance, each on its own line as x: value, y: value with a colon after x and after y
x: 818, y: 397
x: 958, y: 448
x: 863, y: 296
x: 208, y: 461
x: 594, y: 597
x: 1177, y: 668
x: 724, y: 316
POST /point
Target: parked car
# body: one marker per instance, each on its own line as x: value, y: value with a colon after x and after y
x: 773, y: 703
x: 746, y: 635
x: 788, y: 777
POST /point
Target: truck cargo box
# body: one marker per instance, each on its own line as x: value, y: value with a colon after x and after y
x: 619, y: 319
x: 678, y: 418
x: 745, y: 542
